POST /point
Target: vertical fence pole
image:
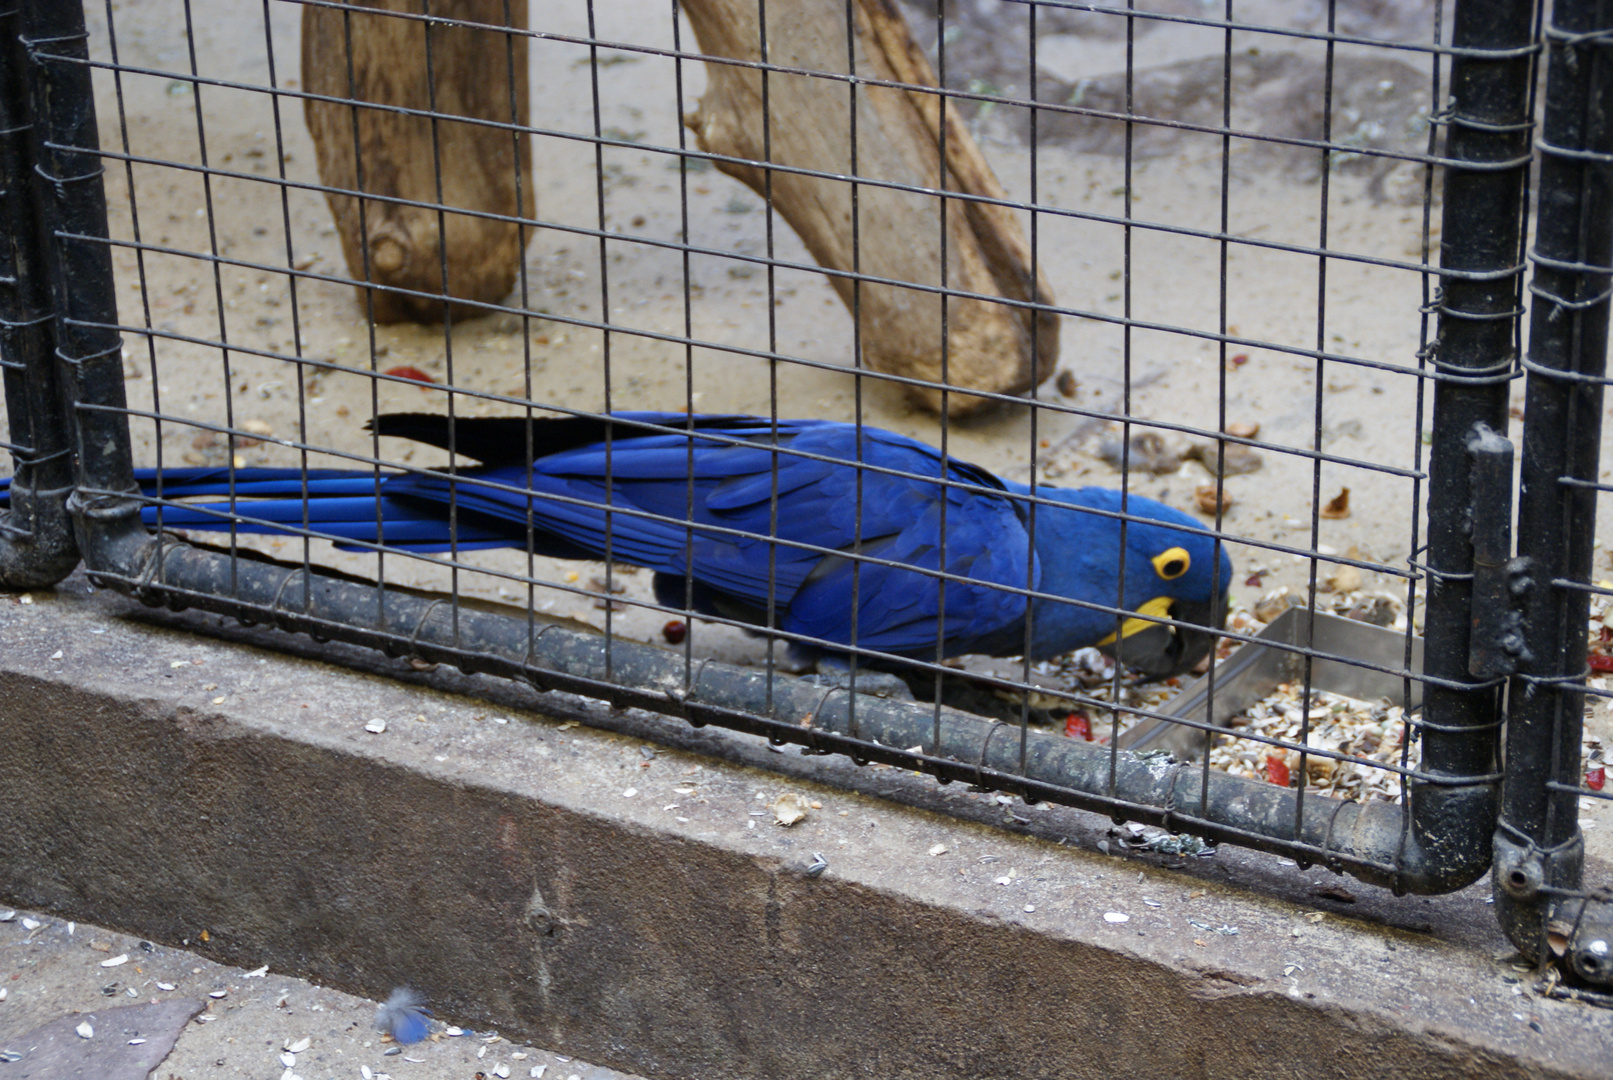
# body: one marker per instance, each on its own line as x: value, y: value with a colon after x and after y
x: 36, y: 535
x: 1486, y: 166
x: 71, y: 201
x: 1539, y: 847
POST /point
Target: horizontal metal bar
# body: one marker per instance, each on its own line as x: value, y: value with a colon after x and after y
x: 1367, y: 840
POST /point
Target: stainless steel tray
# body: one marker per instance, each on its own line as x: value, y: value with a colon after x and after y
x: 1256, y: 669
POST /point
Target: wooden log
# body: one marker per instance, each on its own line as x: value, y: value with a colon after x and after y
x: 470, y: 76
x: 989, y: 346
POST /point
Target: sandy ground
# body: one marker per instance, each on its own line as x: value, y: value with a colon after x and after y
x: 1171, y: 375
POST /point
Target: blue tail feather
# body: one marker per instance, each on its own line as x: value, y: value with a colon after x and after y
x: 340, y: 506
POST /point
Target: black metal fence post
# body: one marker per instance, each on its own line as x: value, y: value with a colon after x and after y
x: 1539, y: 847
x: 36, y: 535
x: 72, y: 207
x: 1486, y: 166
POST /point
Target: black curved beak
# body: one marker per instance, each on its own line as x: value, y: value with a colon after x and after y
x: 1159, y: 650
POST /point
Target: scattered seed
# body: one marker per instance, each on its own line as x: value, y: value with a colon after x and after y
x: 300, y: 1045
x: 1029, y: 908
x: 501, y: 1070
x: 137, y: 1042
x: 217, y: 993
x: 31, y: 924
x: 258, y: 973
x: 629, y: 793
x: 8, y: 915
x: 1116, y: 917
x: 116, y: 961
x: 938, y: 849
x: 85, y: 1031
x: 818, y: 865
x: 406, y: 371
x: 287, y: 1059
x: 1205, y: 498
x: 376, y: 726
x: 788, y: 810
x: 57, y: 655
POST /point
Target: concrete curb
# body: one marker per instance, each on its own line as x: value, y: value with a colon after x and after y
x: 617, y: 900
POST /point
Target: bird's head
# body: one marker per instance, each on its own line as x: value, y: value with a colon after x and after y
x: 1171, y: 574
x: 1155, y: 563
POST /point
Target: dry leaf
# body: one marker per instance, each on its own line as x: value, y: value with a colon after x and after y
x: 1338, y: 506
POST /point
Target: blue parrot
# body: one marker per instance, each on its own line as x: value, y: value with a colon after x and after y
x: 698, y: 503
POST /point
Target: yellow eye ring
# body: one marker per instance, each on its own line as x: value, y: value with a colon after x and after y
x: 1172, y: 563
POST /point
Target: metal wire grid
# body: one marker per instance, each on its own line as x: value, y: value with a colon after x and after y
x: 1223, y: 338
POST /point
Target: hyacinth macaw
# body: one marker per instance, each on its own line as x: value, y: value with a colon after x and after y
x: 738, y: 486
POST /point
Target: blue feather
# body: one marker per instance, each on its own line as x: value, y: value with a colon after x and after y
x: 404, y: 1016
x: 749, y: 509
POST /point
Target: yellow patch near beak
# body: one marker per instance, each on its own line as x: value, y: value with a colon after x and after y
x: 1159, y: 606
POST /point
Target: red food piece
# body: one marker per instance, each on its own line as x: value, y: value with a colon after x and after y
x: 1076, y: 725
x: 1253, y: 581
x: 1277, y: 770
x: 404, y: 371
x: 675, y: 631
x: 1599, y: 662
x: 1240, y: 359
x: 1595, y: 778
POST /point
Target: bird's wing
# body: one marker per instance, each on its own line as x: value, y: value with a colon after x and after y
x: 805, y: 492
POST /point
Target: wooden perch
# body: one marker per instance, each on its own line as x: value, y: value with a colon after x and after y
x: 395, y: 151
x: 989, y: 345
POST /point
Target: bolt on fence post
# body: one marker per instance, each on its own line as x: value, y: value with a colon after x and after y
x: 78, y: 259
x: 36, y: 535
x: 1486, y: 164
x: 1539, y: 850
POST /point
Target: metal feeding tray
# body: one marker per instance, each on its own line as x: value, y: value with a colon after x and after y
x: 1256, y: 669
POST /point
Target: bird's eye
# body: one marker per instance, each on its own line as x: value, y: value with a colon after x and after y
x: 1172, y: 563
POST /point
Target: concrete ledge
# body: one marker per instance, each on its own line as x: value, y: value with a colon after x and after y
x: 164, y: 783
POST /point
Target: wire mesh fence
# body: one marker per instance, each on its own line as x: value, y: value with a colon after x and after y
x: 1099, y: 404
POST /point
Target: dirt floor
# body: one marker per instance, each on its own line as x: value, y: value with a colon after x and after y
x: 1270, y: 195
